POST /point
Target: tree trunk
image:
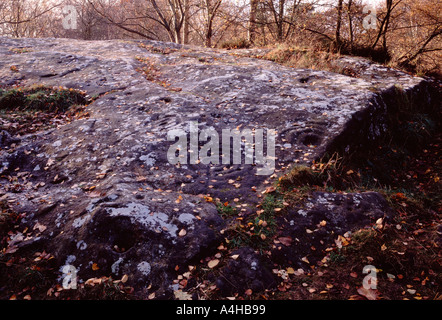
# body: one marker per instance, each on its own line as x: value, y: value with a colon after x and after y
x: 338, y: 25
x: 384, y: 25
x: 209, y: 31
x: 350, y: 24
x: 252, y: 21
x: 280, y: 22
x: 186, y: 22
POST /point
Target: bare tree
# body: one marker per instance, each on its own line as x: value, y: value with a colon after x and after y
x: 211, y: 8
x: 252, y: 21
x: 138, y: 16
x: 338, y: 24
x: 17, y: 17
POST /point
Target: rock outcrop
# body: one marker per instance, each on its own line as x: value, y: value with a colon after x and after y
x: 102, y: 192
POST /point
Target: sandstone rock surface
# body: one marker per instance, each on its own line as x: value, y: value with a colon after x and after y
x: 103, y: 187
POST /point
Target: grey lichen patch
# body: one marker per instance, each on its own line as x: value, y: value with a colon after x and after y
x: 138, y: 213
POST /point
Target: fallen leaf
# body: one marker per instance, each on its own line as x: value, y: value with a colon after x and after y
x: 269, y: 190
x: 213, y: 263
x: 248, y: 292
x: 370, y: 294
x: 182, y: 233
x: 182, y: 295
x: 341, y: 241
x: 40, y: 227
x: 287, y: 241
x: 50, y: 292
x: 95, y: 267
x: 124, y: 278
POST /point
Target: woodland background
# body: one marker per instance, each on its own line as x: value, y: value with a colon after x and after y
x: 303, y: 33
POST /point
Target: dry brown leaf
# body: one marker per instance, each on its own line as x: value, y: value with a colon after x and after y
x: 269, y: 190
x: 213, y: 263
x: 287, y: 241
x: 40, y: 227
x: 370, y: 294
x: 182, y: 295
x: 299, y: 272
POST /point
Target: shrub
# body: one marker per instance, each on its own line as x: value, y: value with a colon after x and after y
x: 235, y: 43
x: 41, y: 98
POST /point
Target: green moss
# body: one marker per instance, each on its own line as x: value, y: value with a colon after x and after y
x: 40, y: 98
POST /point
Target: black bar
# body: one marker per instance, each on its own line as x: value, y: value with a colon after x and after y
x: 217, y: 309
